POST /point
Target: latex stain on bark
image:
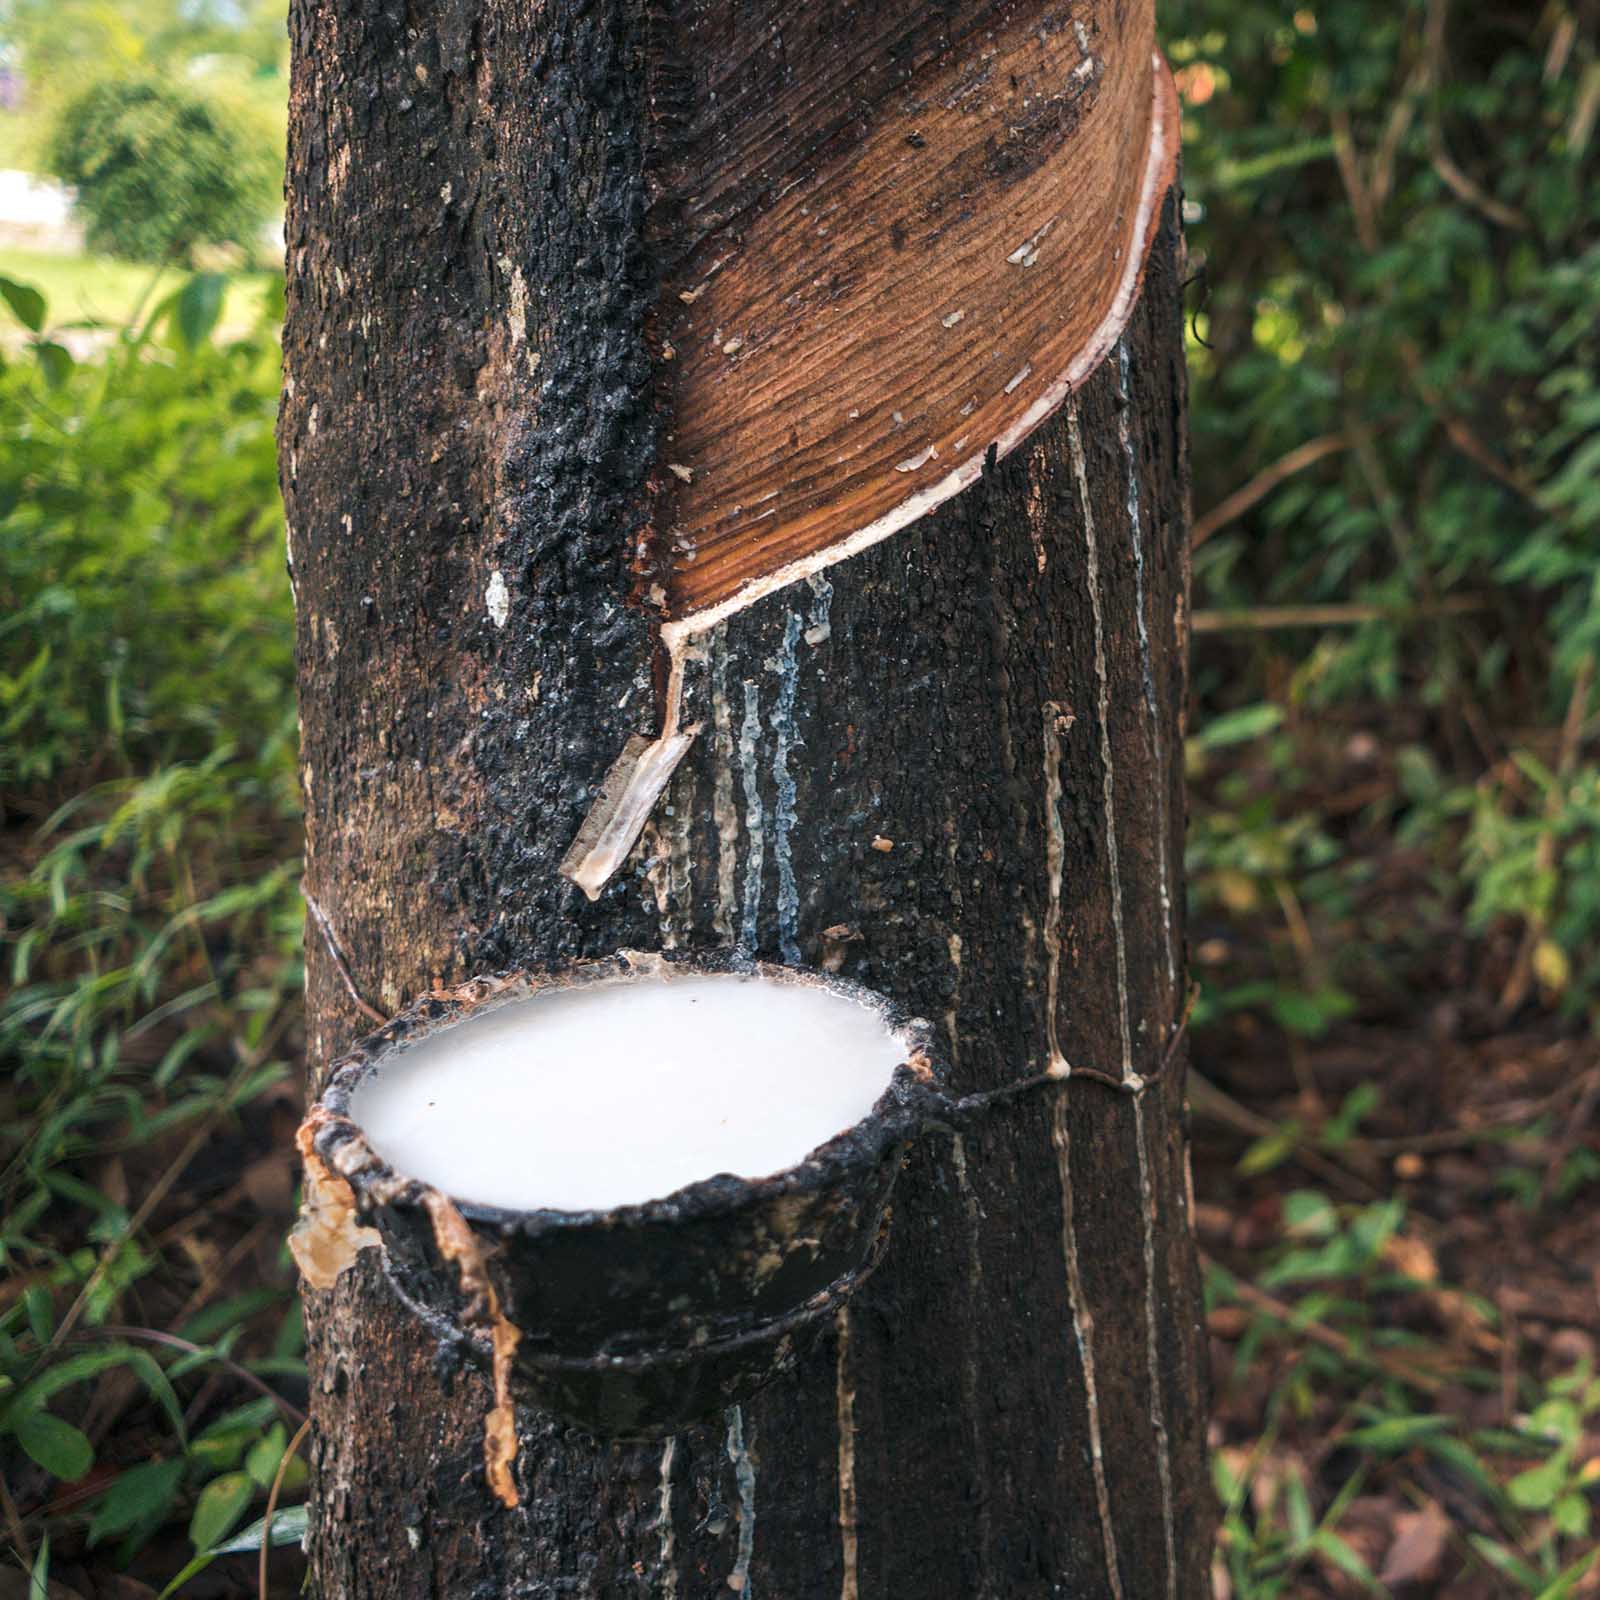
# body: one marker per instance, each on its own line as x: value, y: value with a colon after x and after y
x: 458, y: 1244
x: 327, y: 1237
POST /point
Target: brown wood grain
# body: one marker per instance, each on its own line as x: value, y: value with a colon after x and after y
x: 867, y: 302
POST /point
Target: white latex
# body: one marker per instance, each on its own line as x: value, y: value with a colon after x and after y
x: 618, y: 1093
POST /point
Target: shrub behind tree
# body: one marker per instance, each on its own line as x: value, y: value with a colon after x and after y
x: 160, y: 169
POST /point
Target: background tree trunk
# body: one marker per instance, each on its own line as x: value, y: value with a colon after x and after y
x: 948, y: 767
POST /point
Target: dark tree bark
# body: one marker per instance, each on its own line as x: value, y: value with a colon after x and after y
x: 948, y: 766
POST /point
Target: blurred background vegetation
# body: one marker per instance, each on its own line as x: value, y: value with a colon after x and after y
x: 1394, y: 855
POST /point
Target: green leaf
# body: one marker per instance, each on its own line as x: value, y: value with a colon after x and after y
x: 39, y: 1578
x: 1460, y: 1459
x: 1566, y: 1585
x: 1558, y: 1420
x: 1239, y: 727
x: 1329, y: 1545
x: 199, y: 307
x: 1373, y: 1227
x: 1507, y: 1442
x: 1360, y: 1103
x: 288, y: 1527
x: 141, y: 1492
x: 61, y: 1449
x: 1231, y: 174
x: 1539, y: 1487
x: 156, y: 1381
x: 197, y: 1565
x: 37, y: 1301
x: 1506, y: 1561
x: 76, y: 1369
x: 261, y: 1460
x: 228, y: 1314
x: 27, y: 304
x: 1310, y: 1015
x: 224, y: 1449
x: 55, y: 361
x: 1297, y: 1510
x: 1395, y: 1434
x: 1269, y: 1151
x: 1308, y: 1214
x: 220, y: 1505
x: 1570, y: 1514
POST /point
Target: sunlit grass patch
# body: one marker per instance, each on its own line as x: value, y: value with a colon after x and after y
x: 104, y: 291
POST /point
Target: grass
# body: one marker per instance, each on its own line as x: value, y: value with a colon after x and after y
x: 106, y: 292
x: 1392, y: 1202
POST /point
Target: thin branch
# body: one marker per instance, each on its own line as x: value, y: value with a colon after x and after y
x: 1475, y: 196
x: 1269, y: 619
x: 215, y: 1275
x: 1395, y: 130
x: 1355, y: 187
x: 1207, y: 1100
x: 1190, y: 999
x: 1460, y: 433
x: 164, y: 1183
x: 19, y: 1535
x: 1387, y: 504
x: 336, y: 956
x: 1585, y: 113
x: 1443, y: 163
x: 272, y: 1504
x: 1562, y: 38
x: 1363, y: 206
x: 1264, y: 482
x: 1576, y: 1123
x: 1320, y: 1333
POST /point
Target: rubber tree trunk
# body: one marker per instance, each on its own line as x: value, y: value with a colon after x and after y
x: 947, y: 766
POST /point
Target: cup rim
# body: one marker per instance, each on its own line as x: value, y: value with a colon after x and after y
x: 911, y: 1098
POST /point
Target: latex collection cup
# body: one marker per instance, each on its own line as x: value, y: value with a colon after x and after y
x: 673, y: 1169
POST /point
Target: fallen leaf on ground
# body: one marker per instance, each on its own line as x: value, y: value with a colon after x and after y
x: 1419, y: 1545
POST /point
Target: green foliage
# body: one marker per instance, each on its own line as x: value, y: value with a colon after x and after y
x: 150, y: 910
x: 1264, y: 1555
x: 160, y: 169
x: 142, y: 611
x: 1529, y: 1484
x: 1395, y: 214
x: 54, y: 38
x: 1400, y: 234
x: 1431, y: 296
x: 1535, y: 856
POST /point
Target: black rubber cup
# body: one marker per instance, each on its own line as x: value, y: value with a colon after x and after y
x: 638, y: 1321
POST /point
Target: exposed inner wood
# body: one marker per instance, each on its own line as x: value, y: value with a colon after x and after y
x: 884, y: 290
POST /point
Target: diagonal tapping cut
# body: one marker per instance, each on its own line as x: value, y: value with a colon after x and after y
x: 863, y: 315
x: 847, y: 348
